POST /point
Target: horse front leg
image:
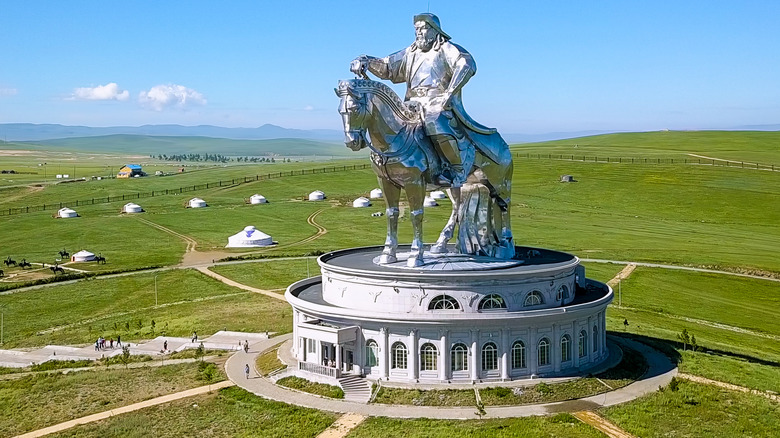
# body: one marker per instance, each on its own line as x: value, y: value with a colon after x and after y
x: 440, y: 247
x: 415, y: 192
x: 392, y: 195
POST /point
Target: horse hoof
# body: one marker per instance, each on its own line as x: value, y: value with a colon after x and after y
x: 386, y: 259
x: 414, y: 262
x: 439, y: 248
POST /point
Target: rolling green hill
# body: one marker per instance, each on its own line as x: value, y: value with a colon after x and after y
x: 754, y: 146
x: 147, y: 144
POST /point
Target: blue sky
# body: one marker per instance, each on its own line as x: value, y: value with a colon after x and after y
x: 543, y: 66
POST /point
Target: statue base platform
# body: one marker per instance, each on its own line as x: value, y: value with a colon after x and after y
x: 456, y: 318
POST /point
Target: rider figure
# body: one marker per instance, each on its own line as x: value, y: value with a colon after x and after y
x: 434, y: 70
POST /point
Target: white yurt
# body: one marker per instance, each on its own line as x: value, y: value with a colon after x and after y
x: 438, y: 194
x: 82, y: 256
x: 430, y: 202
x: 317, y: 195
x: 67, y: 212
x: 196, y: 203
x: 361, y: 202
x: 257, y: 199
x: 249, y: 237
x: 131, y: 207
x: 376, y: 194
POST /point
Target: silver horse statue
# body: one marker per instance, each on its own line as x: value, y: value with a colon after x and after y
x: 403, y: 157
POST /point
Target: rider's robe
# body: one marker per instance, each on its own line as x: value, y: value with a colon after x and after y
x: 427, y: 76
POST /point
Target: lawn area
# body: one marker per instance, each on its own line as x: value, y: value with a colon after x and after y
x: 696, y: 410
x: 602, y: 272
x: 230, y: 412
x: 269, y: 362
x: 269, y: 274
x: 725, y: 313
x: 737, y: 371
x: 434, y: 397
x: 559, y: 425
x: 311, y: 387
x: 125, y: 305
x: 626, y: 372
x: 41, y: 400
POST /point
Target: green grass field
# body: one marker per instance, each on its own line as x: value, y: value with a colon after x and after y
x: 698, y: 411
x: 696, y: 215
x: 230, y: 412
x: 37, y: 401
x: 80, y: 312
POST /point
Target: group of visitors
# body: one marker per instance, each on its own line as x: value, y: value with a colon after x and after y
x: 104, y: 344
x: 244, y: 345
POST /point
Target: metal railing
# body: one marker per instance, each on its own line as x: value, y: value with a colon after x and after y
x: 320, y: 369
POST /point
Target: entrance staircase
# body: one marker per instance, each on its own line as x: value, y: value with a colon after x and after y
x: 356, y: 389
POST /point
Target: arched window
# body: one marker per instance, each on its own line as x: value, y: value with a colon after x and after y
x: 398, y: 356
x: 428, y: 357
x: 518, y: 355
x: 533, y: 299
x: 492, y: 302
x: 372, y: 353
x: 443, y: 302
x: 595, y: 339
x: 460, y: 357
x: 562, y: 294
x: 565, y: 348
x: 489, y: 357
x: 583, y: 343
x: 544, y: 352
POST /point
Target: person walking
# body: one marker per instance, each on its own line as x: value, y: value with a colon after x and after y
x: 119, y: 341
x: 165, y: 346
x: 246, y: 370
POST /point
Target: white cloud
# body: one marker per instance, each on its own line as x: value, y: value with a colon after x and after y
x: 161, y: 97
x: 109, y: 91
x: 8, y: 91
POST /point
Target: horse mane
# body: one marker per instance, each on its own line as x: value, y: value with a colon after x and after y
x: 406, y: 112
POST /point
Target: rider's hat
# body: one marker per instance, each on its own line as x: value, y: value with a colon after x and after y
x: 432, y: 21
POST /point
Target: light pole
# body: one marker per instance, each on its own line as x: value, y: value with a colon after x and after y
x: 620, y: 292
x: 2, y: 323
x: 155, y: 290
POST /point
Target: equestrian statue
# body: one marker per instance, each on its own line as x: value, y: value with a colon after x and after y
x: 428, y: 141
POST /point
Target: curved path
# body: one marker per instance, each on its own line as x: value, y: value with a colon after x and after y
x: 660, y: 372
x: 681, y: 268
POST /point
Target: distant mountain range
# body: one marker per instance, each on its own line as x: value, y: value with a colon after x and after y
x: 30, y: 132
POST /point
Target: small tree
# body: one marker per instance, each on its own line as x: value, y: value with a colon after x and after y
x: 694, y: 346
x: 209, y: 374
x: 125, y: 357
x: 685, y: 338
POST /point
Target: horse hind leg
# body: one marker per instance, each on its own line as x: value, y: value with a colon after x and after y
x: 392, y: 195
x: 440, y: 247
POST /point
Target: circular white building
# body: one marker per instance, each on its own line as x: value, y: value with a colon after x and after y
x: 257, y: 199
x: 361, y: 202
x: 376, y: 194
x: 132, y: 208
x: 438, y: 194
x: 317, y: 195
x: 249, y: 237
x: 459, y: 318
x: 66, y: 213
x: 83, y: 256
x: 196, y: 203
x: 430, y: 202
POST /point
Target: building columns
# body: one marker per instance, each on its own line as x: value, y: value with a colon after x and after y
x: 505, y: 354
x: 533, y: 352
x: 384, y: 353
x: 474, y: 362
x: 414, y: 356
x: 444, y: 349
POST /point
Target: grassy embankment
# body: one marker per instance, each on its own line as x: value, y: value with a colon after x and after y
x: 37, y: 401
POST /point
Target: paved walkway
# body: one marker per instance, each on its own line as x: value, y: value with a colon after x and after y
x: 596, y: 421
x: 230, y: 282
x: 222, y: 340
x: 660, y: 372
x: 706, y: 381
x: 343, y: 426
x: 124, y: 409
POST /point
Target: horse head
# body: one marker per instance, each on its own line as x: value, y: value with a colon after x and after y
x: 354, y: 114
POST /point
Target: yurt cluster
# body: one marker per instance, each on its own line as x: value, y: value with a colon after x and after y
x: 250, y: 236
